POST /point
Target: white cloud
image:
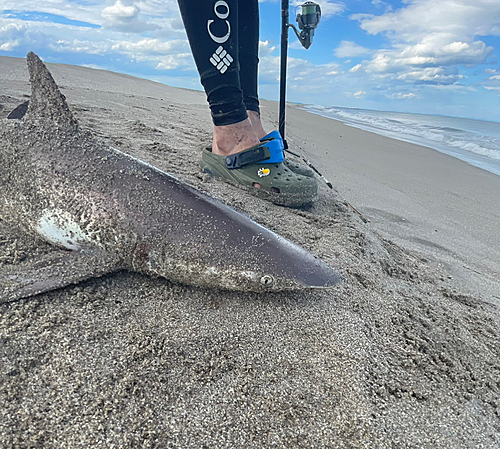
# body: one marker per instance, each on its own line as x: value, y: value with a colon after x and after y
x: 149, y: 46
x: 428, y: 53
x: 12, y: 30
x: 420, y: 17
x: 164, y: 55
x: 172, y: 62
x: 119, y: 11
x: 492, y: 82
x: 9, y: 46
x: 10, y: 35
x: 269, y: 68
x: 348, y: 49
x: 357, y: 95
x: 265, y: 48
x: 402, y: 96
x: 356, y: 68
x: 126, y: 19
x: 89, y: 11
x: 382, y: 4
x: 122, y: 21
x: 453, y: 87
x: 430, y: 37
x: 80, y: 46
x: 437, y: 75
x: 15, y: 34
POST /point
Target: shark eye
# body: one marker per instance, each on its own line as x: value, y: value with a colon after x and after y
x: 267, y: 280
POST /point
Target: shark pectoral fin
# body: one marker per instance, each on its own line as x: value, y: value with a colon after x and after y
x: 54, y: 270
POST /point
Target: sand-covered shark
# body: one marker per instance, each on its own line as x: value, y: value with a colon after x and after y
x: 110, y: 211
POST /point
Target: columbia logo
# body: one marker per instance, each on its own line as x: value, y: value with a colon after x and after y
x: 221, y: 59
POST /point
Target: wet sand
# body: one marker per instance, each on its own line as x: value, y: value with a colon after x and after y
x: 405, y: 354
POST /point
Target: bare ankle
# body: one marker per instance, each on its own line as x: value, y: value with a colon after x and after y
x: 230, y: 139
x: 256, y: 123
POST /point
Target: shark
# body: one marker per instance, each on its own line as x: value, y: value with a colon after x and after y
x: 107, y: 211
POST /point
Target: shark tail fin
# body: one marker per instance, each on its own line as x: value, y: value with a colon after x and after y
x: 47, y: 101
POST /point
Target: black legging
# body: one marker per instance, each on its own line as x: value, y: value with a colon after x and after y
x: 224, y: 39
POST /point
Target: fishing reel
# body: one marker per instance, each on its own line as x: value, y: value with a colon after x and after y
x: 308, y: 20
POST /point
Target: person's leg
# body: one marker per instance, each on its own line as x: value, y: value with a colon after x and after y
x: 248, y: 40
x: 212, y: 29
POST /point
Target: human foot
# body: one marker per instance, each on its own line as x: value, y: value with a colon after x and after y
x: 270, y: 176
x: 231, y: 139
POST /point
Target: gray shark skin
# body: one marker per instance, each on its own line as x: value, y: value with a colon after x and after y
x: 110, y: 211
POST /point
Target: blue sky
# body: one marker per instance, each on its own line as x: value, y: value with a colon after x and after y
x: 423, y: 56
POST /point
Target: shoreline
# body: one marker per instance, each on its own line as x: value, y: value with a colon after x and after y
x: 476, y: 160
x: 419, y: 197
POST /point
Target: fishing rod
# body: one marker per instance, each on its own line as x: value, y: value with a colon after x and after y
x: 307, y: 19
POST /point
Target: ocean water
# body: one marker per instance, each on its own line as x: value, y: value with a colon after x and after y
x: 476, y: 142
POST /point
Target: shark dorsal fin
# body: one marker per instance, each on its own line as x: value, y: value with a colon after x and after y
x: 47, y: 102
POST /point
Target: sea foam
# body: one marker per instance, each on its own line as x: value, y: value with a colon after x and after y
x: 476, y: 142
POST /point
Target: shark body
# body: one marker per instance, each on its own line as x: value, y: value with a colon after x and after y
x: 110, y: 211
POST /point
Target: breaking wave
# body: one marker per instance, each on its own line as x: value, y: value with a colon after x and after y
x: 473, y: 141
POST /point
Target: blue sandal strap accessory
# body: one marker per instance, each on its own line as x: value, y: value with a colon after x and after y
x: 275, y: 147
x: 275, y: 144
x: 277, y: 137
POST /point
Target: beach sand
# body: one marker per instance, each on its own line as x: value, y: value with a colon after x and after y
x: 419, y: 198
x: 404, y: 354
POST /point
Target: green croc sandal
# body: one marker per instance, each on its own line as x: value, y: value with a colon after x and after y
x: 300, y: 169
x: 257, y: 170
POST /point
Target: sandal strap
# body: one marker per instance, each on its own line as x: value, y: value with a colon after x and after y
x: 251, y: 156
x: 275, y: 147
